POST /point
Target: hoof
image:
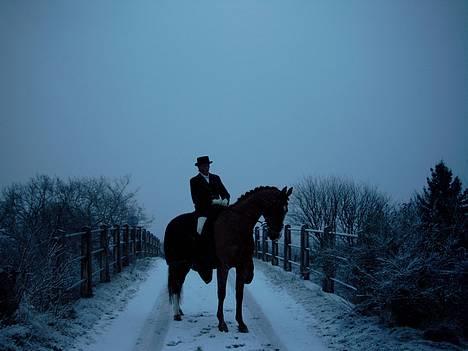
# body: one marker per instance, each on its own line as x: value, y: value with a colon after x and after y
x: 223, y: 327
x: 177, y: 317
x: 180, y: 312
x: 243, y: 328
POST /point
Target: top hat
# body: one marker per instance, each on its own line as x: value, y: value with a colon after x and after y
x: 202, y: 160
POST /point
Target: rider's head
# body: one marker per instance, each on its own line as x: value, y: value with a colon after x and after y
x: 203, y: 164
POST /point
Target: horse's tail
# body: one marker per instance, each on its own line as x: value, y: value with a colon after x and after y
x: 178, y: 248
x: 174, y: 288
x: 175, y: 280
x: 176, y: 277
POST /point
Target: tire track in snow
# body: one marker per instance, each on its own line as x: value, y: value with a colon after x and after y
x: 156, y: 326
x: 198, y: 331
x: 260, y: 325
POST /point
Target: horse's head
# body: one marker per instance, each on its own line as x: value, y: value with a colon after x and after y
x: 275, y: 211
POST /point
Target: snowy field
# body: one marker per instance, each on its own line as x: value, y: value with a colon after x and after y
x: 281, y: 311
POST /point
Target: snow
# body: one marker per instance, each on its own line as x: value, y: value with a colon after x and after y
x: 123, y: 332
x: 132, y: 313
x: 332, y: 318
x: 198, y: 329
x: 147, y: 321
x: 286, y: 317
x: 43, y: 332
x: 281, y: 311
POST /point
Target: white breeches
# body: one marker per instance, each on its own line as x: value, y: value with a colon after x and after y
x: 200, y: 224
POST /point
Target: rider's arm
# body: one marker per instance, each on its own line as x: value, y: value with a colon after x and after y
x: 222, y: 190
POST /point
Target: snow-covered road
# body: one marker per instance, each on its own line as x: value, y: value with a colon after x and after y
x: 146, y: 323
x: 281, y: 311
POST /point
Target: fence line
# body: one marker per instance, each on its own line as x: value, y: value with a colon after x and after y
x: 117, y: 248
x: 267, y: 250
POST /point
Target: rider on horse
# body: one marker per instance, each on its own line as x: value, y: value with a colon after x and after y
x: 209, y: 196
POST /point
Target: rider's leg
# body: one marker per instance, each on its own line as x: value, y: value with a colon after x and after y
x: 200, y: 224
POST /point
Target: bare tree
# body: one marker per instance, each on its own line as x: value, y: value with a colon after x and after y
x: 33, y: 214
x: 336, y: 202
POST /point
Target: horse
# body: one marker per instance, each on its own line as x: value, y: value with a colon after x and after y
x: 233, y: 244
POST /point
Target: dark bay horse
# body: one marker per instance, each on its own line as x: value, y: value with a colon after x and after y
x: 234, y: 245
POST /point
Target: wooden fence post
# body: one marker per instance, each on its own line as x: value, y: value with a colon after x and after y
x: 133, y: 243
x: 142, y: 249
x: 59, y: 241
x: 305, y: 253
x: 104, y: 255
x: 117, y: 253
x: 328, y: 285
x: 158, y: 251
x: 256, y: 242
x: 148, y: 243
x: 86, y: 289
x: 138, y: 242
x: 287, y: 248
x: 151, y: 244
x: 144, y: 238
x: 264, y: 245
x: 126, y: 246
x: 274, y: 252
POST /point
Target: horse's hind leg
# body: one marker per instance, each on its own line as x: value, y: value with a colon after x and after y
x: 240, y: 276
x: 175, y: 281
x: 222, y: 274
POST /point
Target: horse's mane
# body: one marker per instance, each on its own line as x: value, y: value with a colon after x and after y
x: 250, y: 192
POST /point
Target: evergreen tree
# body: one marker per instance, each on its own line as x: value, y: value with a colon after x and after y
x: 443, y: 211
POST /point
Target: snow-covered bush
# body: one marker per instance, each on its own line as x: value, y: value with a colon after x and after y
x: 421, y: 276
x: 409, y: 263
x: 412, y: 287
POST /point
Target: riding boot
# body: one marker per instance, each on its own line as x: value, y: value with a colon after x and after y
x: 203, y: 268
x: 202, y: 263
x: 197, y: 258
x: 208, y: 251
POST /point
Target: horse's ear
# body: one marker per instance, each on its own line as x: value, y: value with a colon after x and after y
x: 289, y: 191
x: 284, y: 190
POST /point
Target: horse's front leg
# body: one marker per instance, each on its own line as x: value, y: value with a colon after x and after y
x: 239, y: 297
x: 222, y: 274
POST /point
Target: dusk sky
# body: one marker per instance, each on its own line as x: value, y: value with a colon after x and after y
x: 272, y: 90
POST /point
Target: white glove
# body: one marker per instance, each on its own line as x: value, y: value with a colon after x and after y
x: 221, y: 202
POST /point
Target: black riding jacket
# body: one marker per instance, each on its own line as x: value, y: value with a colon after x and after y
x: 203, y: 192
